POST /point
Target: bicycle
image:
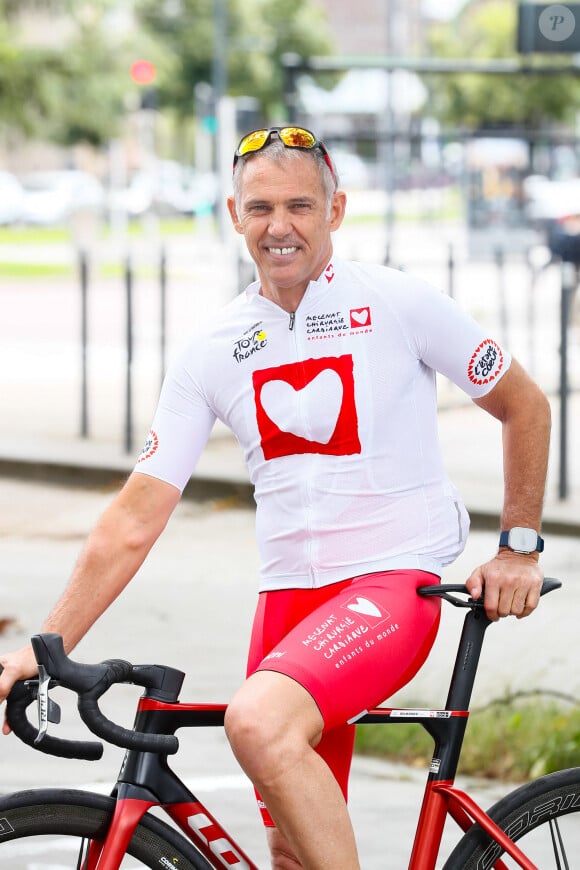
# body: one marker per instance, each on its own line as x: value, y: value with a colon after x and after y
x: 516, y: 829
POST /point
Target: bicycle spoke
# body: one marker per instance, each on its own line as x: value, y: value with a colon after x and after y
x: 558, y: 846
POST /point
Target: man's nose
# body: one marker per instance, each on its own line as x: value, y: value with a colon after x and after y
x: 280, y: 224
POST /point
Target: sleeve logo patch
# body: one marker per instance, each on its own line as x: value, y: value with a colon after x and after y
x: 486, y: 363
x: 150, y: 446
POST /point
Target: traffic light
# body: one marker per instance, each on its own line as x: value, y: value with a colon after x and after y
x: 143, y: 72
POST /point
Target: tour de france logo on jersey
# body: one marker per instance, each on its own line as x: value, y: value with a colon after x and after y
x: 486, y: 363
x: 253, y: 340
x: 307, y: 407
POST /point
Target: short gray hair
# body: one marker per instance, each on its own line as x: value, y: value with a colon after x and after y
x: 276, y: 150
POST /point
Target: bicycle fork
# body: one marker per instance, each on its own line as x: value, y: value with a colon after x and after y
x: 191, y: 816
x: 146, y: 780
x: 109, y: 854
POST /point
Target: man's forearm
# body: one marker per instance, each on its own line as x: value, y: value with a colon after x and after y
x: 103, y: 570
x: 526, y: 443
x: 524, y: 412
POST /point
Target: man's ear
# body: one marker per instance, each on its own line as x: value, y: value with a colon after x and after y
x: 234, y: 215
x: 337, y: 209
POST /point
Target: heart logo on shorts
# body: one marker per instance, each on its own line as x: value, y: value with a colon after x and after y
x: 364, y: 607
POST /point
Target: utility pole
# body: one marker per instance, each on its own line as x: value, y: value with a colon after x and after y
x: 219, y: 86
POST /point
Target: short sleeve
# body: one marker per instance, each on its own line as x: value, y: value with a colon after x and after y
x: 451, y: 342
x: 181, y: 426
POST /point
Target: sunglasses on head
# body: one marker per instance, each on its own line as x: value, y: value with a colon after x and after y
x: 291, y: 137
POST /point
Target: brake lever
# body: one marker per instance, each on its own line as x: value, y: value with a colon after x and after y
x: 48, y: 710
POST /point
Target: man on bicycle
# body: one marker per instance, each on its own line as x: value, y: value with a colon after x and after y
x: 325, y: 371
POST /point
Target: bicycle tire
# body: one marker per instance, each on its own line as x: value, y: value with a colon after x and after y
x: 59, y: 816
x: 529, y: 815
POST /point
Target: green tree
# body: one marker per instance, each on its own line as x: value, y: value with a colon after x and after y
x: 259, y: 32
x: 80, y: 90
x: 470, y: 100
x: 67, y: 93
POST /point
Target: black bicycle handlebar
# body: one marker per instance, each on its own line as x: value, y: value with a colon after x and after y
x: 23, y: 694
x: 90, y: 682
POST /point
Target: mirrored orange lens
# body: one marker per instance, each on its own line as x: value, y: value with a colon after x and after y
x: 297, y: 137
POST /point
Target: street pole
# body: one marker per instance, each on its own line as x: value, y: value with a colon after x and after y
x: 129, y: 348
x: 219, y: 86
x: 84, y: 280
x: 569, y: 278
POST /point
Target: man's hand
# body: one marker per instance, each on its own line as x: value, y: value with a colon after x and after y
x: 18, y: 665
x: 512, y: 585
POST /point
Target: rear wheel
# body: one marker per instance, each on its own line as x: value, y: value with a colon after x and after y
x: 51, y: 829
x: 542, y: 817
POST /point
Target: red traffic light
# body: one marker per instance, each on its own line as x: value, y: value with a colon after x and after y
x: 143, y: 72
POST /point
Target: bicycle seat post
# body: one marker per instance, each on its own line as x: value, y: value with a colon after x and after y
x: 465, y: 668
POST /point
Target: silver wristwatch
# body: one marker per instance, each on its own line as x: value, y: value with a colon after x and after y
x: 522, y: 540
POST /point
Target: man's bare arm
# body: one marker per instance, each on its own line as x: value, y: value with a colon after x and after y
x: 112, y: 554
x: 512, y: 580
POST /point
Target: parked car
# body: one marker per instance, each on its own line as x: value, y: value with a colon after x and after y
x: 167, y: 188
x: 52, y: 197
x: 554, y: 206
x: 352, y: 170
x: 11, y: 196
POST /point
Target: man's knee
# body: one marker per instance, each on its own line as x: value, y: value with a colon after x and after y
x: 269, y: 723
x: 248, y: 725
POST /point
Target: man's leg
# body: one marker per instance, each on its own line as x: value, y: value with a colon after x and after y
x: 282, y: 855
x: 273, y: 725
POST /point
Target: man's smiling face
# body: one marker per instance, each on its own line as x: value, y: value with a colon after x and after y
x: 284, y: 216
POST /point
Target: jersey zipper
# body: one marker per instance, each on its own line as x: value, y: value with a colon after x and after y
x: 308, y: 503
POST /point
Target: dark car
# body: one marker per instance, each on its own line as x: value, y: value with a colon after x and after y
x: 555, y: 207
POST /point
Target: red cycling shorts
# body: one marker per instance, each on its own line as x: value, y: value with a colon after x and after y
x: 351, y: 645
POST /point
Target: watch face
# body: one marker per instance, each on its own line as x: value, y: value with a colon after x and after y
x: 522, y: 540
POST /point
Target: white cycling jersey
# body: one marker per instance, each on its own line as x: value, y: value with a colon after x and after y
x: 335, y: 408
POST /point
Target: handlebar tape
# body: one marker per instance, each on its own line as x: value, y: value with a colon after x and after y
x: 124, y: 737
x: 20, y: 697
x: 90, y: 682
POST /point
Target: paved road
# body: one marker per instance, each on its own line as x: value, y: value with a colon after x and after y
x: 191, y: 607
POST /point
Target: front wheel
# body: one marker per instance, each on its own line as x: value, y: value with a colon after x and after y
x: 52, y: 828
x: 540, y: 816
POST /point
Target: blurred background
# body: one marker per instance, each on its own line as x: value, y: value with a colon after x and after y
x: 454, y: 125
